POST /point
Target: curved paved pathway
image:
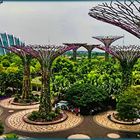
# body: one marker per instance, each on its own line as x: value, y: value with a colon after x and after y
x: 102, y: 120
x: 16, y: 122
x: 88, y: 126
x: 6, y: 104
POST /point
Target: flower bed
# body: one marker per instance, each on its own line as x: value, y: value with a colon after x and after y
x: 114, y: 118
x: 60, y: 118
x: 22, y: 103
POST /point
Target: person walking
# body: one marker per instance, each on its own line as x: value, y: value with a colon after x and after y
x: 77, y: 111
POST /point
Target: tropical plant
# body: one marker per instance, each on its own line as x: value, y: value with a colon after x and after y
x: 11, y: 77
x: 127, y: 57
x: 62, y: 64
x: 11, y: 136
x: 128, y: 104
x: 26, y: 59
x: 86, y: 95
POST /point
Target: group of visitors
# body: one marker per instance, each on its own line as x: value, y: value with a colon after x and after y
x: 75, y: 110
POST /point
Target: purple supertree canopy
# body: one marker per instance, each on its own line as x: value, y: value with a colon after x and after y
x: 107, y: 40
x: 76, y: 45
x: 124, y: 14
x: 17, y: 50
x: 46, y: 52
x: 91, y: 47
x: 128, y: 53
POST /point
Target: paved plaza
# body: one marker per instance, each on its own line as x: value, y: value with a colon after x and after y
x: 97, y: 126
x: 16, y: 122
x: 102, y: 120
x: 6, y: 104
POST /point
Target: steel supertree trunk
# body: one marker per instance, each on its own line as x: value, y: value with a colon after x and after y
x: 45, y: 99
x: 75, y: 54
x: 90, y: 48
x: 126, y: 74
x: 26, y: 85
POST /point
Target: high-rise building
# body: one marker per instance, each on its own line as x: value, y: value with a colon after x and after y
x: 7, y: 40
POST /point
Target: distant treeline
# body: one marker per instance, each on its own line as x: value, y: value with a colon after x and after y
x: 85, y: 53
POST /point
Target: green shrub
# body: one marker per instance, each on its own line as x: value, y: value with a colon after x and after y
x: 17, y: 97
x: 83, y: 95
x: 49, y: 118
x: 57, y: 110
x: 1, y: 128
x: 27, y: 100
x: 11, y: 136
x: 36, y: 82
x: 37, y: 116
x: 5, y: 63
x: 36, y: 98
x: 33, y: 97
x: 2, y: 93
x: 128, y: 104
x: 52, y: 114
x: 34, y: 115
x: 136, y: 88
x: 136, y: 77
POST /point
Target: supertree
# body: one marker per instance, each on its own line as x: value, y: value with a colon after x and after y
x: 107, y: 41
x: 124, y: 14
x: 127, y: 56
x: 26, y: 59
x: 77, y: 46
x: 90, y: 48
x: 46, y: 55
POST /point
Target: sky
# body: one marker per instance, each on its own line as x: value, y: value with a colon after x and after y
x: 57, y: 23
